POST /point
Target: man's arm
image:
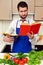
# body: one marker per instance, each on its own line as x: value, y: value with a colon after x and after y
x: 11, y: 30
x: 8, y: 39
x: 33, y: 38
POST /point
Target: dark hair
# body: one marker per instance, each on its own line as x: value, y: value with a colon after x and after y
x: 22, y: 4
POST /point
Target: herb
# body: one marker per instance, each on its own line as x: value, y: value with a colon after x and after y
x: 10, y: 62
x: 35, y: 57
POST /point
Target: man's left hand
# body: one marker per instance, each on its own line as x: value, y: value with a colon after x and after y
x: 30, y: 35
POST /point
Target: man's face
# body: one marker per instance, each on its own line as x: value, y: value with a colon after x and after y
x: 23, y: 12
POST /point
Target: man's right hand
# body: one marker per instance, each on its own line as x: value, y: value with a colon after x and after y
x: 8, y: 39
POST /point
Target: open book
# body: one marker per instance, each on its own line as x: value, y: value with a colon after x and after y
x: 25, y: 28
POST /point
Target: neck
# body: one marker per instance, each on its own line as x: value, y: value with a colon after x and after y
x: 22, y: 20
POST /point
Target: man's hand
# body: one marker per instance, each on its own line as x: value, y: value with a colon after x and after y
x: 30, y: 35
x: 8, y: 39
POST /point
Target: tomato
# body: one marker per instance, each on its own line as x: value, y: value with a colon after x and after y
x: 21, y: 62
x: 25, y: 60
x: 16, y: 60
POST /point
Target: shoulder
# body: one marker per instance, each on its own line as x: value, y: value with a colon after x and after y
x: 13, y: 23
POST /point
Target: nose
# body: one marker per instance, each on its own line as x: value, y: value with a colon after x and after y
x: 23, y: 13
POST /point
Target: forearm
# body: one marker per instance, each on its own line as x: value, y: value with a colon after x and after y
x: 34, y: 40
x: 7, y: 39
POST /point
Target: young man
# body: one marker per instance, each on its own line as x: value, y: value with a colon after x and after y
x: 22, y: 43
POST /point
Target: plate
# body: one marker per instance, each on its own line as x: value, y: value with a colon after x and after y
x: 10, y: 35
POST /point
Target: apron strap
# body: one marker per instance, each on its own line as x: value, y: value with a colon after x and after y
x: 28, y: 20
x: 16, y: 23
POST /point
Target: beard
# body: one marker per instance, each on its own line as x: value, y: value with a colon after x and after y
x: 23, y: 17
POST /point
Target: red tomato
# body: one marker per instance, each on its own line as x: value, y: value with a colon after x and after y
x: 25, y: 60
x: 21, y: 62
x: 16, y: 60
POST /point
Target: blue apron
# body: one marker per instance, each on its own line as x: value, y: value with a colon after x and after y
x: 22, y: 43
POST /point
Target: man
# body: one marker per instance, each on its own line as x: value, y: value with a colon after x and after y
x: 22, y: 43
